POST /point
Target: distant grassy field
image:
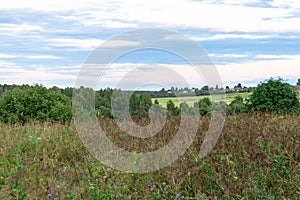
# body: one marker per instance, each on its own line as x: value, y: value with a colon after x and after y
x: 190, y: 100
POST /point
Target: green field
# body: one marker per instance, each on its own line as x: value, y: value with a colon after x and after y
x: 190, y: 100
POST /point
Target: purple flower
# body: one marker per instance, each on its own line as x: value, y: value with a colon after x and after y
x: 177, y: 196
x: 108, y: 169
x: 48, y: 196
x: 152, y: 189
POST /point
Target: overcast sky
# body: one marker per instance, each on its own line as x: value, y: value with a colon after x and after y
x: 247, y: 40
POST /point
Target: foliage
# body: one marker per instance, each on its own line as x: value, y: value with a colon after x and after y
x: 103, y: 102
x: 237, y: 106
x: 145, y: 104
x: 172, y: 109
x: 205, y: 106
x: 274, y: 96
x: 35, y: 103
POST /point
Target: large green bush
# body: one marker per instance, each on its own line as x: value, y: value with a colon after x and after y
x: 35, y: 103
x: 274, y: 96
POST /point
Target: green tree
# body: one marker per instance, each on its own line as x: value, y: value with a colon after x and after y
x: 134, y: 104
x: 145, y: 104
x: 298, y: 83
x: 172, y: 109
x: 274, y: 96
x: 103, y: 102
x: 34, y: 103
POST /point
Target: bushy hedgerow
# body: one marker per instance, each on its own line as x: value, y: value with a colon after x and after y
x: 35, y: 103
x: 274, y: 96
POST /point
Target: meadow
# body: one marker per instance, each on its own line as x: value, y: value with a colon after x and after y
x: 190, y: 100
x: 257, y: 157
x: 229, y: 97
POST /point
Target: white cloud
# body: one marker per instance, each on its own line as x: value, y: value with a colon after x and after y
x: 233, y: 36
x: 29, y: 76
x: 233, y: 72
x: 90, y: 44
x: 12, y: 29
x: 81, y: 44
x: 229, y: 55
x: 211, y: 15
x: 270, y: 56
x: 46, y: 57
x: 7, y: 55
x: 260, y: 70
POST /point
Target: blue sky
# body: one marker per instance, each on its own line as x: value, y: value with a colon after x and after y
x: 248, y: 40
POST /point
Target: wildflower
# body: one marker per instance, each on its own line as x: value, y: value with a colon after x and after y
x: 164, y: 183
x: 108, y: 169
x: 259, y: 137
x: 48, y: 196
x: 177, y: 196
x: 152, y: 189
x: 1, y: 177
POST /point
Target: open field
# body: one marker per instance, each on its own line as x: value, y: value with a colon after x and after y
x: 257, y: 157
x: 190, y: 100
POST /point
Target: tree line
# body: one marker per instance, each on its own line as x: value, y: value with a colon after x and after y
x: 21, y: 104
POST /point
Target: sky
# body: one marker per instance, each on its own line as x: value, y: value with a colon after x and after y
x: 248, y: 41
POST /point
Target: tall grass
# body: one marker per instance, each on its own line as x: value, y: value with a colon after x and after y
x: 257, y: 157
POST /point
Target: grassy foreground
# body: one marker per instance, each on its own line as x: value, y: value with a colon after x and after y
x: 257, y: 157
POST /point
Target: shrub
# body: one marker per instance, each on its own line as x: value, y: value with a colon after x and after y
x: 34, y: 103
x: 205, y: 106
x: 274, y: 96
x: 172, y: 109
x: 237, y: 106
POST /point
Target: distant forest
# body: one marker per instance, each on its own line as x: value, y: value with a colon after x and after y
x: 172, y: 92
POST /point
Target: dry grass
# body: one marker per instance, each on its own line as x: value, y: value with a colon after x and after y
x: 256, y: 157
